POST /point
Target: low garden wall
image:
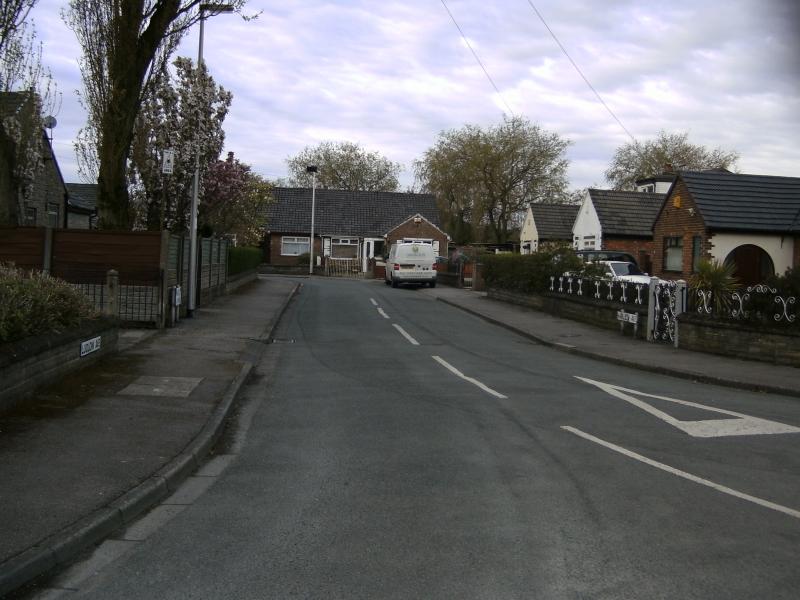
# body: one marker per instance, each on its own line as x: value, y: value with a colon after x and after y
x: 39, y: 360
x: 600, y: 313
x: 739, y: 340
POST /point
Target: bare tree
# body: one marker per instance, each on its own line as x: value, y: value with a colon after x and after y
x: 124, y: 45
x: 344, y: 166
x: 486, y: 177
x: 636, y: 160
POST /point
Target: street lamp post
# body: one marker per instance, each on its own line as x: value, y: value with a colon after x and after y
x: 216, y: 9
x: 313, y: 170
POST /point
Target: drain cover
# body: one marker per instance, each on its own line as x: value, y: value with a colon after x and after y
x: 282, y: 340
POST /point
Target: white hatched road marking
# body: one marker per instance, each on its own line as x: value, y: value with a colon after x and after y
x: 405, y: 334
x: 742, y: 425
x: 716, y: 486
x: 382, y: 313
x: 472, y: 380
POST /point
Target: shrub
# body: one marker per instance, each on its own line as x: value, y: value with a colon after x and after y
x: 717, y: 278
x: 530, y: 272
x: 304, y: 259
x: 787, y: 284
x: 35, y: 303
x: 243, y: 258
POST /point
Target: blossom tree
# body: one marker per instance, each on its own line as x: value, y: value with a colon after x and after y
x: 185, y: 115
x: 125, y: 44
x: 234, y: 201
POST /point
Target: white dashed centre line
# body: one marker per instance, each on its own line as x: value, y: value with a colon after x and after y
x: 405, y: 334
x: 383, y: 314
x: 648, y: 461
x: 473, y: 381
x: 373, y: 302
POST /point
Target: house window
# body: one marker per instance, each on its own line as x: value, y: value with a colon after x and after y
x: 673, y: 253
x: 52, y: 214
x: 344, y: 247
x: 30, y: 216
x: 294, y: 246
x: 588, y: 242
x: 696, y: 252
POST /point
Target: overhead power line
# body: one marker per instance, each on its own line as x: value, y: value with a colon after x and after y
x: 475, y: 54
x: 591, y: 87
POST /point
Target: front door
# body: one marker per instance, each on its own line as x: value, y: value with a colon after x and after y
x: 372, y: 247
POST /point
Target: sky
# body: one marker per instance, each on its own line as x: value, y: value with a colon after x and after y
x: 391, y: 75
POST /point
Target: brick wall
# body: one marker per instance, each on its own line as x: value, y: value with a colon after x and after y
x: 679, y: 218
x: 274, y: 256
x: 735, y: 339
x: 423, y: 230
x: 640, y: 248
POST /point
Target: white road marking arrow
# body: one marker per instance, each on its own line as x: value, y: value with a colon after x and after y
x: 741, y: 425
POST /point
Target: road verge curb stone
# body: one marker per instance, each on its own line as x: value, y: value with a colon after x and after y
x: 67, y: 543
x: 661, y: 370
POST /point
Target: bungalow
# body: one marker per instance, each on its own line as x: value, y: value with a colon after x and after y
x: 752, y: 221
x: 347, y: 224
x: 546, y: 225
x: 618, y: 220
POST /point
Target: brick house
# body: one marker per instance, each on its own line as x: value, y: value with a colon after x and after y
x: 45, y: 203
x: 618, y: 220
x: 752, y: 221
x: 546, y: 225
x: 347, y: 224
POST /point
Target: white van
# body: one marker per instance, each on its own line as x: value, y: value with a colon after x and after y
x: 411, y: 261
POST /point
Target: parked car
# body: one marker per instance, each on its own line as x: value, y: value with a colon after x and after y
x: 625, y: 271
x: 605, y: 255
x: 411, y: 261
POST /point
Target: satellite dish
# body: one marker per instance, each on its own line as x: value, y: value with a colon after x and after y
x: 50, y: 122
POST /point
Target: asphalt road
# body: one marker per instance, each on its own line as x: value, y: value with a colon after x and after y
x: 392, y: 446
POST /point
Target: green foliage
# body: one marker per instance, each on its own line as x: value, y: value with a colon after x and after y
x: 304, y: 259
x: 639, y: 160
x: 243, y: 258
x: 34, y: 303
x: 344, y: 166
x: 717, y: 278
x: 787, y: 284
x: 485, y: 178
x: 530, y: 272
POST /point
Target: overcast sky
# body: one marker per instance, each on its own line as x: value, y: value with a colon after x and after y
x: 391, y: 75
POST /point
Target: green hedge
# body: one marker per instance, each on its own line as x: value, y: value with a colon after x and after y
x: 529, y: 272
x: 243, y: 258
x: 35, y: 303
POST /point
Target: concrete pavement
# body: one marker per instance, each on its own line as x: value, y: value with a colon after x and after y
x: 613, y: 347
x: 92, y: 453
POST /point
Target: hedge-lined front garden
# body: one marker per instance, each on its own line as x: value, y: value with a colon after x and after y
x: 35, y: 303
x: 243, y: 258
x: 529, y: 273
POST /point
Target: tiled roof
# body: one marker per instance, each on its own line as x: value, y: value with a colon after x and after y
x: 343, y: 212
x: 82, y: 195
x: 745, y: 202
x: 554, y: 221
x: 626, y: 213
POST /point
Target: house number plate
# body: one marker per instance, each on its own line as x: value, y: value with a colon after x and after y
x: 627, y: 317
x: 89, y: 346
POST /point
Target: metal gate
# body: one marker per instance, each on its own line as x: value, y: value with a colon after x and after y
x: 667, y: 301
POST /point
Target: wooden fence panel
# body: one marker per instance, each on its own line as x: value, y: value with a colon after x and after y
x: 24, y: 246
x: 135, y: 256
